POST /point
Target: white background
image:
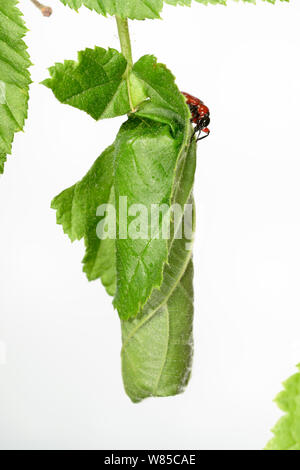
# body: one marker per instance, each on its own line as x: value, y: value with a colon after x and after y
x: 61, y: 385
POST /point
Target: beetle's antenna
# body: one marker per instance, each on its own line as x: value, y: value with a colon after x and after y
x: 46, y: 11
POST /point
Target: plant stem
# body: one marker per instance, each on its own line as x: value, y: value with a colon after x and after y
x: 124, y: 37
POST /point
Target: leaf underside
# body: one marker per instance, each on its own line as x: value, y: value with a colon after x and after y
x: 14, y: 76
x: 140, y: 9
x: 287, y: 430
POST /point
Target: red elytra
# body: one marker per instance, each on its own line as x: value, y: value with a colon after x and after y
x: 200, y: 115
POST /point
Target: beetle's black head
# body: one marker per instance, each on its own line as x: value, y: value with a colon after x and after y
x: 203, y: 122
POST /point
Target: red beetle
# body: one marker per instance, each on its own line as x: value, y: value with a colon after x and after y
x: 200, y: 115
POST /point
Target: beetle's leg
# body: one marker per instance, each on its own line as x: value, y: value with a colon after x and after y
x: 203, y: 137
x: 207, y: 132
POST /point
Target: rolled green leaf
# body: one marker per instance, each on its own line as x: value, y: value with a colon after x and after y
x: 145, y: 162
x: 157, y: 347
x: 152, y: 163
x: 149, y: 148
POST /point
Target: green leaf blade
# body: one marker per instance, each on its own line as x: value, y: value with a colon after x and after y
x: 76, y: 209
x: 133, y: 9
x: 140, y: 9
x: 287, y: 430
x: 100, y: 257
x: 14, y: 76
x: 166, y: 104
x: 95, y: 84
